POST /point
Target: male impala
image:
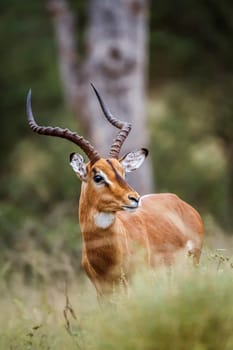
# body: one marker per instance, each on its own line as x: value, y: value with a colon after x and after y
x: 115, y: 221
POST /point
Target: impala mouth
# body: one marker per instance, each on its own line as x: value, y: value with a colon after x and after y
x: 130, y: 208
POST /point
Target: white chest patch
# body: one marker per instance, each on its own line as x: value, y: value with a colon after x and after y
x: 104, y: 220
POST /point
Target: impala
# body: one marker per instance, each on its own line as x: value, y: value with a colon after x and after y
x: 115, y: 221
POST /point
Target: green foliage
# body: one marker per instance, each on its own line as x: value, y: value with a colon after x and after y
x: 27, y: 60
x: 191, y: 39
x: 38, y: 182
x: 189, y: 160
x: 40, y: 249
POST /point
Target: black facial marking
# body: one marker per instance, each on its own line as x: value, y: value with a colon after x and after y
x: 119, y: 178
x: 94, y: 171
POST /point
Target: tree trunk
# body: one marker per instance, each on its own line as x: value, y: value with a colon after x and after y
x: 116, y: 63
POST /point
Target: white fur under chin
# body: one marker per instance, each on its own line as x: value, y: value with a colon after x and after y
x: 104, y: 220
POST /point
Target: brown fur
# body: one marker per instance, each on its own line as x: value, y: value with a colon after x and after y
x: 162, y: 226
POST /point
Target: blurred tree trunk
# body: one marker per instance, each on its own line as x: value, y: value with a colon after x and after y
x: 115, y: 62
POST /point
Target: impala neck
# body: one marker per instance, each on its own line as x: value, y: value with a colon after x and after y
x: 100, y: 229
x: 104, y: 237
x: 93, y: 220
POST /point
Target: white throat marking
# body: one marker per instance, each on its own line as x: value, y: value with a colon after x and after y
x: 104, y: 220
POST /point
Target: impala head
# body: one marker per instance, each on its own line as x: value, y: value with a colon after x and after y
x: 103, y: 179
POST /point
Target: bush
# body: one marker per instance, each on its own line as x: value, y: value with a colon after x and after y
x: 180, y: 308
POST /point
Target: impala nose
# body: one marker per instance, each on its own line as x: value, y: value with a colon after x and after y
x: 133, y: 198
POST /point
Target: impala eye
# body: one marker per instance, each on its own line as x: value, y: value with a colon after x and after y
x: 98, y: 179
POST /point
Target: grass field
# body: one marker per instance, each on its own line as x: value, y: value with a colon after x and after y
x: 183, y: 308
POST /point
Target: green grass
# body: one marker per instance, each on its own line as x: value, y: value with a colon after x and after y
x: 183, y: 308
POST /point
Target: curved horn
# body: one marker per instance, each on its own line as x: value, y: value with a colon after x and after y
x: 85, y: 145
x: 123, y: 126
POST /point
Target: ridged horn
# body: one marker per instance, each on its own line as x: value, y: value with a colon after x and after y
x: 85, y: 145
x: 123, y: 126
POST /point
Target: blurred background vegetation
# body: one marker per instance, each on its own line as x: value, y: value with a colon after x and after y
x: 190, y: 118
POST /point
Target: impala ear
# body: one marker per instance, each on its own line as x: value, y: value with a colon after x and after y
x: 78, y: 165
x: 133, y: 160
